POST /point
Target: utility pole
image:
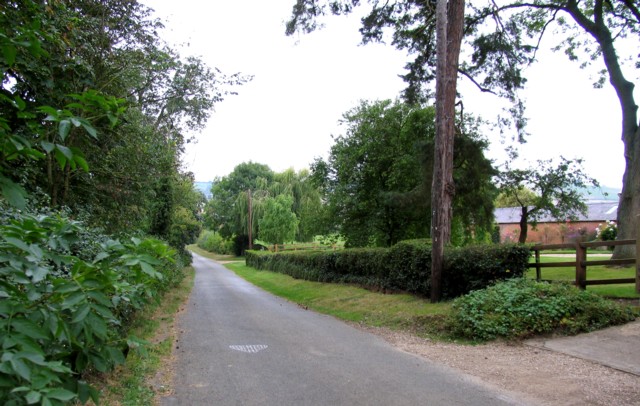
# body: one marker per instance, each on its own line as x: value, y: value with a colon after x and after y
x: 250, y: 222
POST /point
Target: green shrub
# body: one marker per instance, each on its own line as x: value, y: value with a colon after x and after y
x: 66, y: 304
x: 403, y: 267
x: 522, y: 307
x: 214, y: 242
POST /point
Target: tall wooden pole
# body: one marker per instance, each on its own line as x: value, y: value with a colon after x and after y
x: 250, y: 220
x: 449, y: 28
x: 638, y: 254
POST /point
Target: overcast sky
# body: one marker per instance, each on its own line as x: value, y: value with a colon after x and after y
x: 302, y: 85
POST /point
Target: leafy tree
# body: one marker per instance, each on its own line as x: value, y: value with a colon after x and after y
x: 278, y: 223
x: 555, y: 191
x: 377, y: 179
x: 97, y: 152
x: 501, y: 40
x: 515, y: 198
x: 220, y: 213
x: 228, y: 209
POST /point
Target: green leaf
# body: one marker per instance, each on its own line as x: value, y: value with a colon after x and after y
x: 102, y: 255
x: 98, y: 326
x: 81, y: 313
x: 33, y: 397
x: 64, y: 128
x: 99, y: 297
x: 98, y: 362
x: 73, y: 300
x: 65, y: 151
x: 149, y: 270
x: 82, y: 163
x: 9, y: 52
x: 116, y: 355
x: 62, y: 160
x: 61, y: 394
x: 47, y: 146
x: 36, y: 251
x: 21, y: 368
x: 17, y: 243
x: 90, y: 130
x: 29, y: 328
x: 13, y: 193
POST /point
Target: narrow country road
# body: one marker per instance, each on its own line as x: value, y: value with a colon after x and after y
x: 242, y: 346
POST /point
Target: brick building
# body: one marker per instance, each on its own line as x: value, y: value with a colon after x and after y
x: 551, y: 231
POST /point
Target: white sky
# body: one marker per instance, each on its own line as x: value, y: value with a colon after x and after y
x: 285, y: 117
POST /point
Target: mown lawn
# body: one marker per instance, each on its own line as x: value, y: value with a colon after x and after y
x: 593, y: 273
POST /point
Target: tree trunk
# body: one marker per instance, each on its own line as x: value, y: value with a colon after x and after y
x: 629, y: 206
x: 449, y: 27
x: 524, y: 217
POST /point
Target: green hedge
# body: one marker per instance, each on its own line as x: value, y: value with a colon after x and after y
x: 403, y: 267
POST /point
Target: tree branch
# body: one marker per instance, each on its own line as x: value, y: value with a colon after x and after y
x: 482, y: 89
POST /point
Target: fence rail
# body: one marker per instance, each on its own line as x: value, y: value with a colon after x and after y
x: 581, y: 263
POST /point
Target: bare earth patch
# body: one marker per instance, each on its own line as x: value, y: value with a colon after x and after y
x: 535, y: 376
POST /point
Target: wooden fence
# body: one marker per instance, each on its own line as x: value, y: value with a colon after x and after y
x: 581, y: 263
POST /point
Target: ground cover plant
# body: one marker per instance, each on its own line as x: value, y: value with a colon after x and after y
x: 522, y: 307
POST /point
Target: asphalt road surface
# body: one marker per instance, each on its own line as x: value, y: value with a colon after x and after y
x: 242, y: 346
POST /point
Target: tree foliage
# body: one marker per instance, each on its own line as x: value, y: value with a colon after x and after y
x: 547, y: 189
x: 377, y: 179
x: 278, y: 223
x: 95, y: 110
x: 501, y: 40
x: 228, y: 209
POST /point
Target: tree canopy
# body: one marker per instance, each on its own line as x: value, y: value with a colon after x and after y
x: 500, y: 41
x: 228, y: 209
x: 546, y: 189
x: 95, y: 110
x: 376, y: 181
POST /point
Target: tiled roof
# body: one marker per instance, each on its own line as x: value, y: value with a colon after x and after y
x: 596, y: 211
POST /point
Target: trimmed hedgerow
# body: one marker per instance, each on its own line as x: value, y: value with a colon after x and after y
x: 403, y: 267
x: 523, y: 307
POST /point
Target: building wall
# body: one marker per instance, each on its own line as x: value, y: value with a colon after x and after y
x: 552, y: 233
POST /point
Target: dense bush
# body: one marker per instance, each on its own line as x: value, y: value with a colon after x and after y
x: 66, y: 304
x: 404, y: 267
x: 214, y: 242
x: 520, y: 307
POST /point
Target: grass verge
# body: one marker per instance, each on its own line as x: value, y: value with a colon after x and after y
x: 146, y: 375
x: 217, y: 257
x: 354, y: 304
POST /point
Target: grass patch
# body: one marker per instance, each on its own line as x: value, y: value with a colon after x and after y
x: 146, y: 375
x: 216, y: 257
x: 351, y: 303
x: 593, y: 273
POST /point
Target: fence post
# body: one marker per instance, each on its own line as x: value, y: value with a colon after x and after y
x: 638, y: 254
x: 581, y: 270
x: 538, y: 269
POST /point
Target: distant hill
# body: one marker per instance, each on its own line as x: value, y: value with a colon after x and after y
x: 601, y: 193
x: 204, y: 187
